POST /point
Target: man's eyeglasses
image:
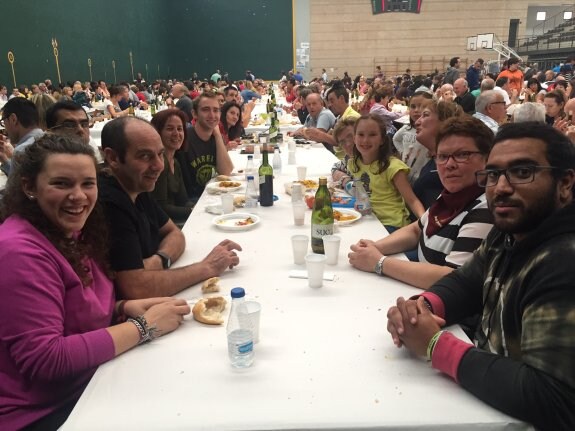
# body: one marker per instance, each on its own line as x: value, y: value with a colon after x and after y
x: 71, y: 125
x: 459, y: 157
x: 498, y: 103
x: 514, y: 175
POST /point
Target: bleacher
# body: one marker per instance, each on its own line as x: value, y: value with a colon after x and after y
x: 561, y: 37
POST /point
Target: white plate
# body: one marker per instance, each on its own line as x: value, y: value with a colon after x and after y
x: 347, y: 211
x: 229, y: 222
x: 215, y: 186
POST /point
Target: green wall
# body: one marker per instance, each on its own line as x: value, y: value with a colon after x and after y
x: 179, y: 36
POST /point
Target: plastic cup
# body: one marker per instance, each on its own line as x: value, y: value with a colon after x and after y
x: 315, y: 264
x: 227, y: 203
x: 298, y: 213
x: 291, y: 158
x: 331, y: 247
x: 291, y: 146
x: 252, y: 311
x: 301, y: 172
x: 299, y: 245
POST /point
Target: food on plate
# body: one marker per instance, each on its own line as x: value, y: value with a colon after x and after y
x: 209, y: 310
x: 245, y: 222
x: 211, y: 285
x: 228, y: 184
x: 308, y: 184
x: 339, y: 216
x: 223, y: 178
x: 342, y: 200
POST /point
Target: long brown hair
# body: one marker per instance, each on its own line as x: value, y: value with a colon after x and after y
x: 93, y: 240
x: 385, y: 151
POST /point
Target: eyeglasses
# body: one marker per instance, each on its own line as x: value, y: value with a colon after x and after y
x: 459, y: 157
x: 71, y: 125
x: 498, y: 103
x: 514, y: 175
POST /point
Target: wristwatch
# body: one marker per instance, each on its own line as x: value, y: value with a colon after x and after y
x: 166, y: 261
x: 379, y: 266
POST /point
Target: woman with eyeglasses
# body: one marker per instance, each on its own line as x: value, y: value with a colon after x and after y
x: 453, y: 227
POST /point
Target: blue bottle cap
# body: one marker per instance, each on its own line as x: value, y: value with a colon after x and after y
x: 250, y: 177
x: 238, y: 292
x: 250, y: 157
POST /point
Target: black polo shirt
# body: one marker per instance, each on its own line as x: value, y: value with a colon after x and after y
x: 134, y: 227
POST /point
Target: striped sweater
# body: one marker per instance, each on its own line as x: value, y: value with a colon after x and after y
x: 454, y: 243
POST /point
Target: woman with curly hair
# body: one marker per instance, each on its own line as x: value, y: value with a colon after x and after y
x: 57, y: 304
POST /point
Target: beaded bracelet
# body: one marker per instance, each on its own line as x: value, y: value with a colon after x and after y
x: 432, y: 344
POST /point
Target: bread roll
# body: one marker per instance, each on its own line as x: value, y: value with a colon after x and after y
x: 209, y: 310
x: 211, y: 285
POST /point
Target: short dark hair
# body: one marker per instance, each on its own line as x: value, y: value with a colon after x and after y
x: 560, y: 152
x: 114, y: 135
x: 230, y: 88
x: 186, y: 105
x: 453, y: 61
x: 65, y: 105
x: 512, y: 61
x: 25, y: 111
x: 117, y: 89
x: 339, y: 90
x: 501, y: 81
x: 469, y: 127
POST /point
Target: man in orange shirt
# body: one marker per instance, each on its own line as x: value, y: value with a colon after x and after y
x: 514, y: 75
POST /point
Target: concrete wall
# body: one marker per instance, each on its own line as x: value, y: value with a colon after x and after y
x: 346, y: 36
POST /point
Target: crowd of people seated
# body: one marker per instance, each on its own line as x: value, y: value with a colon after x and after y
x: 475, y: 187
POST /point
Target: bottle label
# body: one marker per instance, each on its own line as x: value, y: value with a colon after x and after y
x: 320, y: 230
x: 246, y: 348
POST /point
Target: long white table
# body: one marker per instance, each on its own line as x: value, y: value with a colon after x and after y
x: 324, y: 360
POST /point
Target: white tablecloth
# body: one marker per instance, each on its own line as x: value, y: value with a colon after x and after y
x: 324, y: 360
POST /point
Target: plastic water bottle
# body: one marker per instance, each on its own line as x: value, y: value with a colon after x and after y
x: 240, y: 333
x: 257, y: 152
x: 362, y: 204
x: 277, y: 162
x: 250, y: 167
x: 251, y: 202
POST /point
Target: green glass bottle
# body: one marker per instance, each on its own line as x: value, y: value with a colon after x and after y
x: 266, y: 174
x: 321, y: 217
x: 273, y: 131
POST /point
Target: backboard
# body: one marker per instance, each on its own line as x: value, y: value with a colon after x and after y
x: 485, y: 41
x: 472, y: 43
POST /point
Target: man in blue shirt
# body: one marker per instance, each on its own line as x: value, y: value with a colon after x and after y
x: 474, y: 74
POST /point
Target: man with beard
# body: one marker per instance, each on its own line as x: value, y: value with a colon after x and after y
x: 205, y: 151
x: 521, y: 283
x: 144, y: 241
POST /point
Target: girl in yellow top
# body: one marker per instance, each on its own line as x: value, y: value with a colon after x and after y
x: 384, y: 176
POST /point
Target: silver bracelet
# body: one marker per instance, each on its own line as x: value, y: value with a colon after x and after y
x: 147, y: 333
x: 379, y: 266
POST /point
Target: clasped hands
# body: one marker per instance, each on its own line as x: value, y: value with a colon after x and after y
x: 412, y: 324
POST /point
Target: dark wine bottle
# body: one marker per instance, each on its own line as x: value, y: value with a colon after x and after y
x: 266, y: 174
